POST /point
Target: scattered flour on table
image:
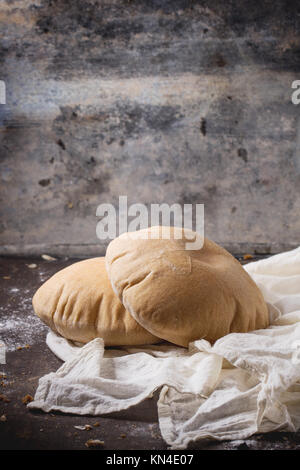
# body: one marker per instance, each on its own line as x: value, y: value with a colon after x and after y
x: 44, y: 276
x: 19, y: 325
x: 13, y: 290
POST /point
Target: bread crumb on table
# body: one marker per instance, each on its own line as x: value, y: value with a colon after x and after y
x: 86, y: 427
x: 94, y: 443
x: 48, y: 257
x: 27, y: 399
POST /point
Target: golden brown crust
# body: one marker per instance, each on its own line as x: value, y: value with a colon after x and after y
x: 182, y: 295
x: 78, y: 302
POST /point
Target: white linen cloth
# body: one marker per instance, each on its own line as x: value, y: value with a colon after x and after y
x: 245, y: 383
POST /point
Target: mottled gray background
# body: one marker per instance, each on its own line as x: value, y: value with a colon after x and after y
x: 164, y: 101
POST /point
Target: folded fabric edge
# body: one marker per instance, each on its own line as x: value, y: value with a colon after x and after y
x: 166, y: 428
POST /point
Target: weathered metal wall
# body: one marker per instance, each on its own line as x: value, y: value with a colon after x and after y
x: 161, y: 100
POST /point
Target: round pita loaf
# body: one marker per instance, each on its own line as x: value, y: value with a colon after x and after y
x: 79, y: 303
x: 183, y: 295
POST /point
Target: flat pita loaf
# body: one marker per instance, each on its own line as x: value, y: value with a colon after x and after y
x: 183, y: 295
x: 79, y: 303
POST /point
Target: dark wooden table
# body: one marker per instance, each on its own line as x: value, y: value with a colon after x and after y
x: 28, y: 358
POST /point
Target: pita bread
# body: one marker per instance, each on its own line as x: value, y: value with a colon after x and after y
x: 79, y: 303
x: 183, y: 295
